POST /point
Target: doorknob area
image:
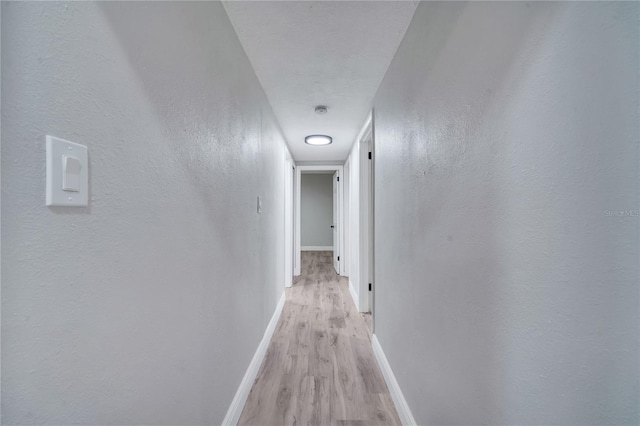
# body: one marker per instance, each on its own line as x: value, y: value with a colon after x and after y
x: 331, y: 226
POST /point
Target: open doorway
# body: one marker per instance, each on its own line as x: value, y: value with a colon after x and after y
x: 319, y: 213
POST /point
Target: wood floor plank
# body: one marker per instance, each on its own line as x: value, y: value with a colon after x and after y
x: 384, y: 405
x: 319, y: 368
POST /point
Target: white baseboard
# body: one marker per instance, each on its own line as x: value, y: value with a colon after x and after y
x: 316, y: 248
x: 354, y: 296
x: 394, y: 388
x: 240, y: 399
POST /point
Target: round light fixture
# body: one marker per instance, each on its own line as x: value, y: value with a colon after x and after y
x: 318, y: 140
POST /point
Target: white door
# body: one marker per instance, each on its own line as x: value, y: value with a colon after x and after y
x: 336, y: 254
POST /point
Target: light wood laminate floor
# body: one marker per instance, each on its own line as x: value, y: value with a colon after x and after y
x: 319, y: 368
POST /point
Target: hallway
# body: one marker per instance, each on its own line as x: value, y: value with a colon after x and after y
x: 485, y: 210
x: 319, y: 368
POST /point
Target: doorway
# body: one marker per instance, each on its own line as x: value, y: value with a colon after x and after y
x: 334, y: 224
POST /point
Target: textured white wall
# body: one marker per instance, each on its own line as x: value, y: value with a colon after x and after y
x: 147, y: 306
x: 316, y: 210
x: 506, y: 291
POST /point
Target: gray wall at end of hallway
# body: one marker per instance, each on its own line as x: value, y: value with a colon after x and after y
x: 316, y: 210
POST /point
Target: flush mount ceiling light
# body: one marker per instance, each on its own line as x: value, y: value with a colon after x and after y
x: 318, y: 140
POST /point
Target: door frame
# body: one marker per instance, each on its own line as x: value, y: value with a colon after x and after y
x: 362, y: 217
x: 340, y: 219
x: 366, y: 252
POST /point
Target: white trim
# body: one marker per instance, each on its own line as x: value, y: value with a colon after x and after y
x: 365, y: 128
x: 406, y: 418
x: 240, y: 399
x: 316, y: 248
x: 354, y: 295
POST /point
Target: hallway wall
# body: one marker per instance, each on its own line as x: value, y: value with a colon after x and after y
x: 506, y: 213
x: 147, y: 306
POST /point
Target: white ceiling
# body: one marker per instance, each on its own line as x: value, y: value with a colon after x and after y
x: 308, y: 53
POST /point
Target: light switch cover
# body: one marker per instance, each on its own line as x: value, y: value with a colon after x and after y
x: 71, y: 171
x: 67, y: 173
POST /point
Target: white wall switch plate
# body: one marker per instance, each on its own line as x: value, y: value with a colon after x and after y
x: 67, y: 173
x: 259, y: 204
